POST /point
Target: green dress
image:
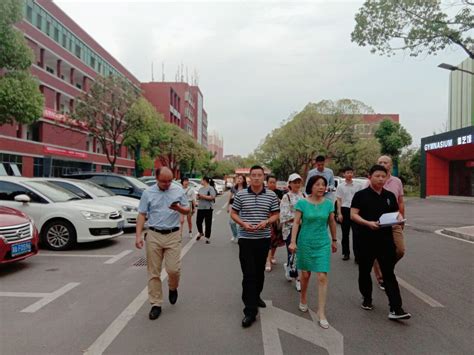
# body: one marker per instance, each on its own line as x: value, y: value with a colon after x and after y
x: 314, y: 246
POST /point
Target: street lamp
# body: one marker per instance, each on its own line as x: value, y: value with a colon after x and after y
x: 453, y: 68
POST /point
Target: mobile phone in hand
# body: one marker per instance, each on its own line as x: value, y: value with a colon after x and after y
x: 174, y: 203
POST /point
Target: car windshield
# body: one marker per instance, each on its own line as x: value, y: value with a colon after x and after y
x: 94, y: 189
x: 136, y: 182
x: 51, y: 191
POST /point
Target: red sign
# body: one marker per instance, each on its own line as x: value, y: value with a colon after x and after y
x: 65, y: 152
x: 58, y: 117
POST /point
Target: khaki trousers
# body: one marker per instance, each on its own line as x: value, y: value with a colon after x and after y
x: 158, y: 247
x: 397, y: 232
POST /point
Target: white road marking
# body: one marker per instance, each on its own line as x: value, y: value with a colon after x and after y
x: 213, y: 219
x: 225, y: 206
x: 119, y: 323
x: 421, y: 295
x: 440, y: 232
x: 218, y: 212
x: 112, y: 258
x: 118, y: 257
x: 46, y: 298
x: 273, y: 318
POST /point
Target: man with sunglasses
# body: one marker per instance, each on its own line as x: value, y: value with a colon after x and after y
x: 162, y: 203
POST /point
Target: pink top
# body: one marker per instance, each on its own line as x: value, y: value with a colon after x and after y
x: 394, y: 185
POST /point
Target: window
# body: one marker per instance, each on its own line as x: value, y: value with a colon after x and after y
x: 74, y: 189
x: 114, y: 182
x: 10, y: 160
x: 92, y: 62
x: 64, y: 40
x: 98, y: 179
x: 33, y: 132
x: 29, y: 13
x: 38, y: 167
x: 77, y: 51
x: 38, y: 21
x: 56, y: 34
x: 48, y: 28
x: 122, y: 171
x: 9, y: 190
x: 49, y: 70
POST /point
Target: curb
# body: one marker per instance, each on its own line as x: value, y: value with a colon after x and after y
x: 457, y: 234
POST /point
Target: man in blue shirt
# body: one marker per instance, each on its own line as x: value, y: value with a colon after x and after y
x: 162, y: 203
x: 254, y: 209
x: 327, y: 173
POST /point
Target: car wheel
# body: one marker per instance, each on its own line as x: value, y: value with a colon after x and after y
x: 58, y: 235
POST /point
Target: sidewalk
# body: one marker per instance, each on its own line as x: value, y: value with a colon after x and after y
x: 463, y: 232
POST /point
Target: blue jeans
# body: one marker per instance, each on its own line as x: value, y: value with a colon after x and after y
x: 234, y: 228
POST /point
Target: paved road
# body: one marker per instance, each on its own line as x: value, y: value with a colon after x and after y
x: 71, y: 303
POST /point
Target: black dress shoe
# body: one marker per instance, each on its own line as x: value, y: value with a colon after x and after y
x: 345, y: 257
x: 247, y: 321
x: 173, y: 296
x: 155, y: 312
x: 261, y: 304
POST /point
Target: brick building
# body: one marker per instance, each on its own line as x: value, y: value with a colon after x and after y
x: 66, y: 62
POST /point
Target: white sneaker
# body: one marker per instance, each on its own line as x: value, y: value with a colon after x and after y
x: 190, y: 235
x: 233, y: 240
x: 298, y: 285
x: 303, y: 307
x: 287, y: 272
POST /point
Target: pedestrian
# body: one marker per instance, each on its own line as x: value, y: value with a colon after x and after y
x: 313, y: 249
x: 287, y: 217
x: 191, y: 195
x: 254, y: 210
x: 344, y: 193
x: 276, y: 239
x: 240, y: 183
x: 376, y: 242
x: 394, y: 185
x: 206, y: 196
x: 321, y: 170
x: 162, y: 203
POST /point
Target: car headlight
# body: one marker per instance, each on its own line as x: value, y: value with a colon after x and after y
x: 94, y: 215
x: 128, y: 208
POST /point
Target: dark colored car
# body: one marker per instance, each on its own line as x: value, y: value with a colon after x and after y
x: 18, y: 236
x: 118, y: 184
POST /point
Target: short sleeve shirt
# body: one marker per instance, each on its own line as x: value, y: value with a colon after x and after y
x: 156, y: 202
x: 394, y: 185
x: 346, y: 192
x: 371, y: 206
x: 254, y: 208
x: 206, y: 204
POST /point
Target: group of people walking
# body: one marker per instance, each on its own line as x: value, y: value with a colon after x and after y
x: 262, y: 219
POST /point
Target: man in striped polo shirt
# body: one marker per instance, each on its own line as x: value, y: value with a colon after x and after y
x: 254, y: 210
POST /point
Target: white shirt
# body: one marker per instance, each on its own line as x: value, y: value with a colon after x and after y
x: 347, y: 191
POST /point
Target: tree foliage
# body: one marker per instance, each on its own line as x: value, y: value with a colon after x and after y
x: 326, y: 127
x: 392, y: 137
x: 20, y: 99
x: 103, y: 110
x: 415, y: 26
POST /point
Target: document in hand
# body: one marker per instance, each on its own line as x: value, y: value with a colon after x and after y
x: 390, y: 219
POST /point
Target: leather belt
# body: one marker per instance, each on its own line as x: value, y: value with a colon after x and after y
x: 164, y: 231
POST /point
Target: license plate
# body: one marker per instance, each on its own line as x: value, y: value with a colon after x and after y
x: 120, y: 224
x: 21, y: 248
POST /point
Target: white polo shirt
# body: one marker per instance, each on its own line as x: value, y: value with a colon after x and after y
x: 347, y: 191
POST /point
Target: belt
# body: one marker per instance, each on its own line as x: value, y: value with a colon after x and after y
x: 164, y: 231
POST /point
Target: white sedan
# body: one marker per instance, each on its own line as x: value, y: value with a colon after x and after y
x: 61, y: 216
x: 90, y: 191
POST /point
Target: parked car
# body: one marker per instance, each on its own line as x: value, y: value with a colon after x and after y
x: 88, y: 190
x: 147, y: 180
x: 220, y: 186
x: 61, y: 217
x: 282, y: 185
x: 195, y: 185
x: 18, y: 236
x: 119, y: 184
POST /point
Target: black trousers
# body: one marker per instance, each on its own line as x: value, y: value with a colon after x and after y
x: 383, y: 249
x: 346, y: 229
x: 206, y: 216
x: 253, y: 255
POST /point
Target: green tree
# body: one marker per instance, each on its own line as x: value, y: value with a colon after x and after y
x: 144, y: 139
x: 103, y: 110
x: 393, y: 137
x: 415, y: 26
x: 20, y: 99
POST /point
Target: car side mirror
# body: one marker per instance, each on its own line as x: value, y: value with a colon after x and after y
x: 130, y: 190
x: 22, y: 198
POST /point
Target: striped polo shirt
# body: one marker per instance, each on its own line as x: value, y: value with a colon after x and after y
x: 254, y: 208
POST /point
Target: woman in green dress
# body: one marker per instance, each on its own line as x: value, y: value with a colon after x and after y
x: 313, y: 249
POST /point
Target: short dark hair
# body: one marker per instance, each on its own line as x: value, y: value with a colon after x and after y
x: 183, y: 179
x: 207, y: 179
x: 320, y: 158
x: 377, y: 167
x: 347, y: 168
x: 256, y: 167
x: 312, y: 181
x: 271, y: 177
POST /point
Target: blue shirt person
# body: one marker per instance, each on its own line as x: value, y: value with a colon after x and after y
x: 327, y: 173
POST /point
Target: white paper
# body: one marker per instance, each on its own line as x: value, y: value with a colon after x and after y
x: 390, y: 219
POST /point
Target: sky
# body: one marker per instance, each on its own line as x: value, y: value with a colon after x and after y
x: 260, y: 61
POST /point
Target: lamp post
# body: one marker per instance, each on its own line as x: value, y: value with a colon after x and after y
x: 453, y: 68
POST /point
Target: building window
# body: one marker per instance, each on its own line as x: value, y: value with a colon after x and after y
x: 29, y: 13
x: 122, y: 171
x: 48, y: 28
x: 64, y: 40
x: 92, y: 62
x: 38, y: 21
x: 38, y: 167
x: 106, y: 168
x: 56, y: 34
x: 78, y: 51
x: 33, y: 132
x: 11, y: 162
x: 50, y: 70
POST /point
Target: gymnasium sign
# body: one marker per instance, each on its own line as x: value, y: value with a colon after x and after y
x: 467, y: 139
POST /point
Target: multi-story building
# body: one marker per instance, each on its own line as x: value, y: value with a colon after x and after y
x: 181, y: 104
x: 216, y: 145
x: 461, y: 96
x: 66, y: 62
x: 370, y: 122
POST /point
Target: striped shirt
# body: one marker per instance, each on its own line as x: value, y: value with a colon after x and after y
x: 254, y: 208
